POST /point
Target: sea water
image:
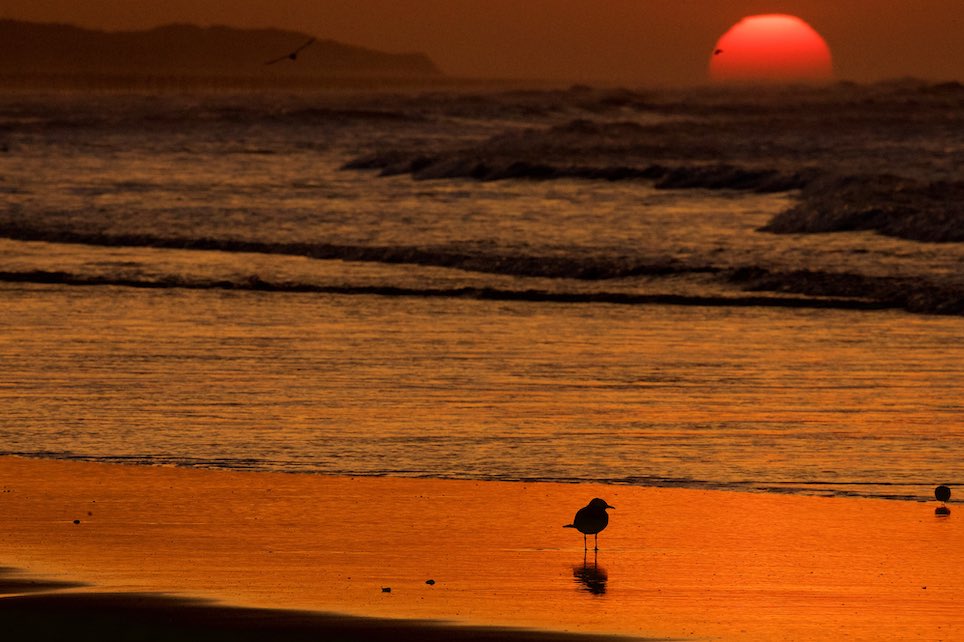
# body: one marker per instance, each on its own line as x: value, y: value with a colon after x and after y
x: 573, y: 285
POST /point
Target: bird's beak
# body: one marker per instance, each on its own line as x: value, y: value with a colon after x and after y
x: 612, y: 507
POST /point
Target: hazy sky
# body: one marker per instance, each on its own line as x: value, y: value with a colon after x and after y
x: 628, y: 41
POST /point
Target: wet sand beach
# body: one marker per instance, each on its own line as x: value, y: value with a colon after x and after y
x: 673, y: 563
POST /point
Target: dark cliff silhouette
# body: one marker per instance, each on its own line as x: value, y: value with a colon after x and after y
x: 28, y: 48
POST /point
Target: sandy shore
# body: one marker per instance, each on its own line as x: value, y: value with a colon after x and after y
x: 673, y: 563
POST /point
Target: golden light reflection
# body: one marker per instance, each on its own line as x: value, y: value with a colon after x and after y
x: 672, y: 562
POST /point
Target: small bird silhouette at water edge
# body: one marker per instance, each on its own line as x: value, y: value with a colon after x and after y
x: 943, y: 494
x: 590, y: 520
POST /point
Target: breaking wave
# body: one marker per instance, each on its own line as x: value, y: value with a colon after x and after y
x: 718, y: 176
x: 819, y: 290
x: 256, y: 284
x: 891, y: 205
x: 560, y: 267
x: 887, y: 204
x: 883, y: 157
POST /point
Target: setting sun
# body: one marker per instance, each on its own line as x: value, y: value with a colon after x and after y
x: 771, y: 48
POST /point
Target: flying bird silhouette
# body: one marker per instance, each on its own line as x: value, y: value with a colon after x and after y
x: 590, y: 520
x: 293, y: 55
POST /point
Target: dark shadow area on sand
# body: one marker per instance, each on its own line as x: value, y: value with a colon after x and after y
x: 109, y: 617
x: 11, y: 583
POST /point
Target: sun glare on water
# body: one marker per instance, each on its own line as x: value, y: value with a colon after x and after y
x: 772, y: 48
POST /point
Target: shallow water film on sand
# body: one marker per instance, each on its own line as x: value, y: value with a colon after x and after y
x: 701, y: 289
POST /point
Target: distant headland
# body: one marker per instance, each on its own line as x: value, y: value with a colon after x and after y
x: 29, y: 49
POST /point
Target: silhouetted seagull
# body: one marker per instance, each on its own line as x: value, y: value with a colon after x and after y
x: 590, y: 520
x: 293, y: 55
x: 942, y: 493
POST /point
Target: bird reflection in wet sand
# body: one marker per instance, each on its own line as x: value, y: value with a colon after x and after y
x: 592, y: 577
x: 590, y: 520
x: 943, y: 494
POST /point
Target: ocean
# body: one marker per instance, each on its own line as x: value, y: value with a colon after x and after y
x: 754, y: 291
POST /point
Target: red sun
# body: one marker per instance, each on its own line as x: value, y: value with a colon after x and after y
x: 772, y: 48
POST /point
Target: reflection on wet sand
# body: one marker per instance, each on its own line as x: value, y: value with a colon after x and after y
x: 591, y: 576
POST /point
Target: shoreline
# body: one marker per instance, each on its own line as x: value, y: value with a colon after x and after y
x: 673, y: 563
x: 818, y: 488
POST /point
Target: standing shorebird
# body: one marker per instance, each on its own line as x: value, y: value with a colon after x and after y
x: 942, y: 493
x: 590, y: 520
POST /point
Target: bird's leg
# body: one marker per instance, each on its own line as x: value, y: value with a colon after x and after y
x: 585, y: 546
x: 596, y: 544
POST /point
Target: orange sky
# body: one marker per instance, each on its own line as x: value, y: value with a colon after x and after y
x: 627, y: 41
